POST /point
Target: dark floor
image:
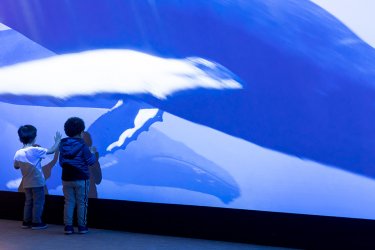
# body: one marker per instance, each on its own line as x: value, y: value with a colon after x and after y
x: 12, y: 237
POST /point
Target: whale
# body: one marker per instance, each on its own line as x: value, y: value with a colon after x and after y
x: 307, y: 80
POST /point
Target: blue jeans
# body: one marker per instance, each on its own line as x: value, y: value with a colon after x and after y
x: 76, y: 193
x: 34, y: 203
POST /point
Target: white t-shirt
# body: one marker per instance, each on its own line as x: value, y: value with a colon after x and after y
x: 32, y: 176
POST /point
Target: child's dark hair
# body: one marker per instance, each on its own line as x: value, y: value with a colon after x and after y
x: 74, y: 126
x: 27, y: 133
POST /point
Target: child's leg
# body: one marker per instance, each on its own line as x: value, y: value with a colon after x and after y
x: 82, y: 201
x: 28, y: 208
x: 70, y: 202
x: 38, y: 204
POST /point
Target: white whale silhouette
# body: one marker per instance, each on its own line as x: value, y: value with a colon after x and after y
x: 113, y: 71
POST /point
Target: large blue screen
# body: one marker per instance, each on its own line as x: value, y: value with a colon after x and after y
x: 258, y: 104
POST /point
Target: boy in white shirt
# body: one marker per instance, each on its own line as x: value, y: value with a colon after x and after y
x: 28, y: 159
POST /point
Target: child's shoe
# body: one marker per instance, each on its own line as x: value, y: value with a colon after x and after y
x: 26, y: 225
x: 68, y: 229
x: 37, y: 226
x: 83, y: 229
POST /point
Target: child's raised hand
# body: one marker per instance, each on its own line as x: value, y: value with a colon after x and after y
x: 55, y: 146
x: 93, y: 149
x: 57, y: 137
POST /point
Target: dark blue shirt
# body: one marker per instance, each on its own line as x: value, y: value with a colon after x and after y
x: 75, y: 159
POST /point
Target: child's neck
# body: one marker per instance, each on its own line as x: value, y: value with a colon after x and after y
x: 28, y: 145
x: 78, y: 136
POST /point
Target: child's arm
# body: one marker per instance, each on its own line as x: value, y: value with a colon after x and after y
x: 94, y: 151
x: 48, y: 167
x: 18, y: 164
x: 55, y: 146
x: 90, y: 155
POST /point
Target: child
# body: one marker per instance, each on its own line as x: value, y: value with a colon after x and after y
x: 75, y: 159
x: 46, y: 169
x: 28, y: 159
